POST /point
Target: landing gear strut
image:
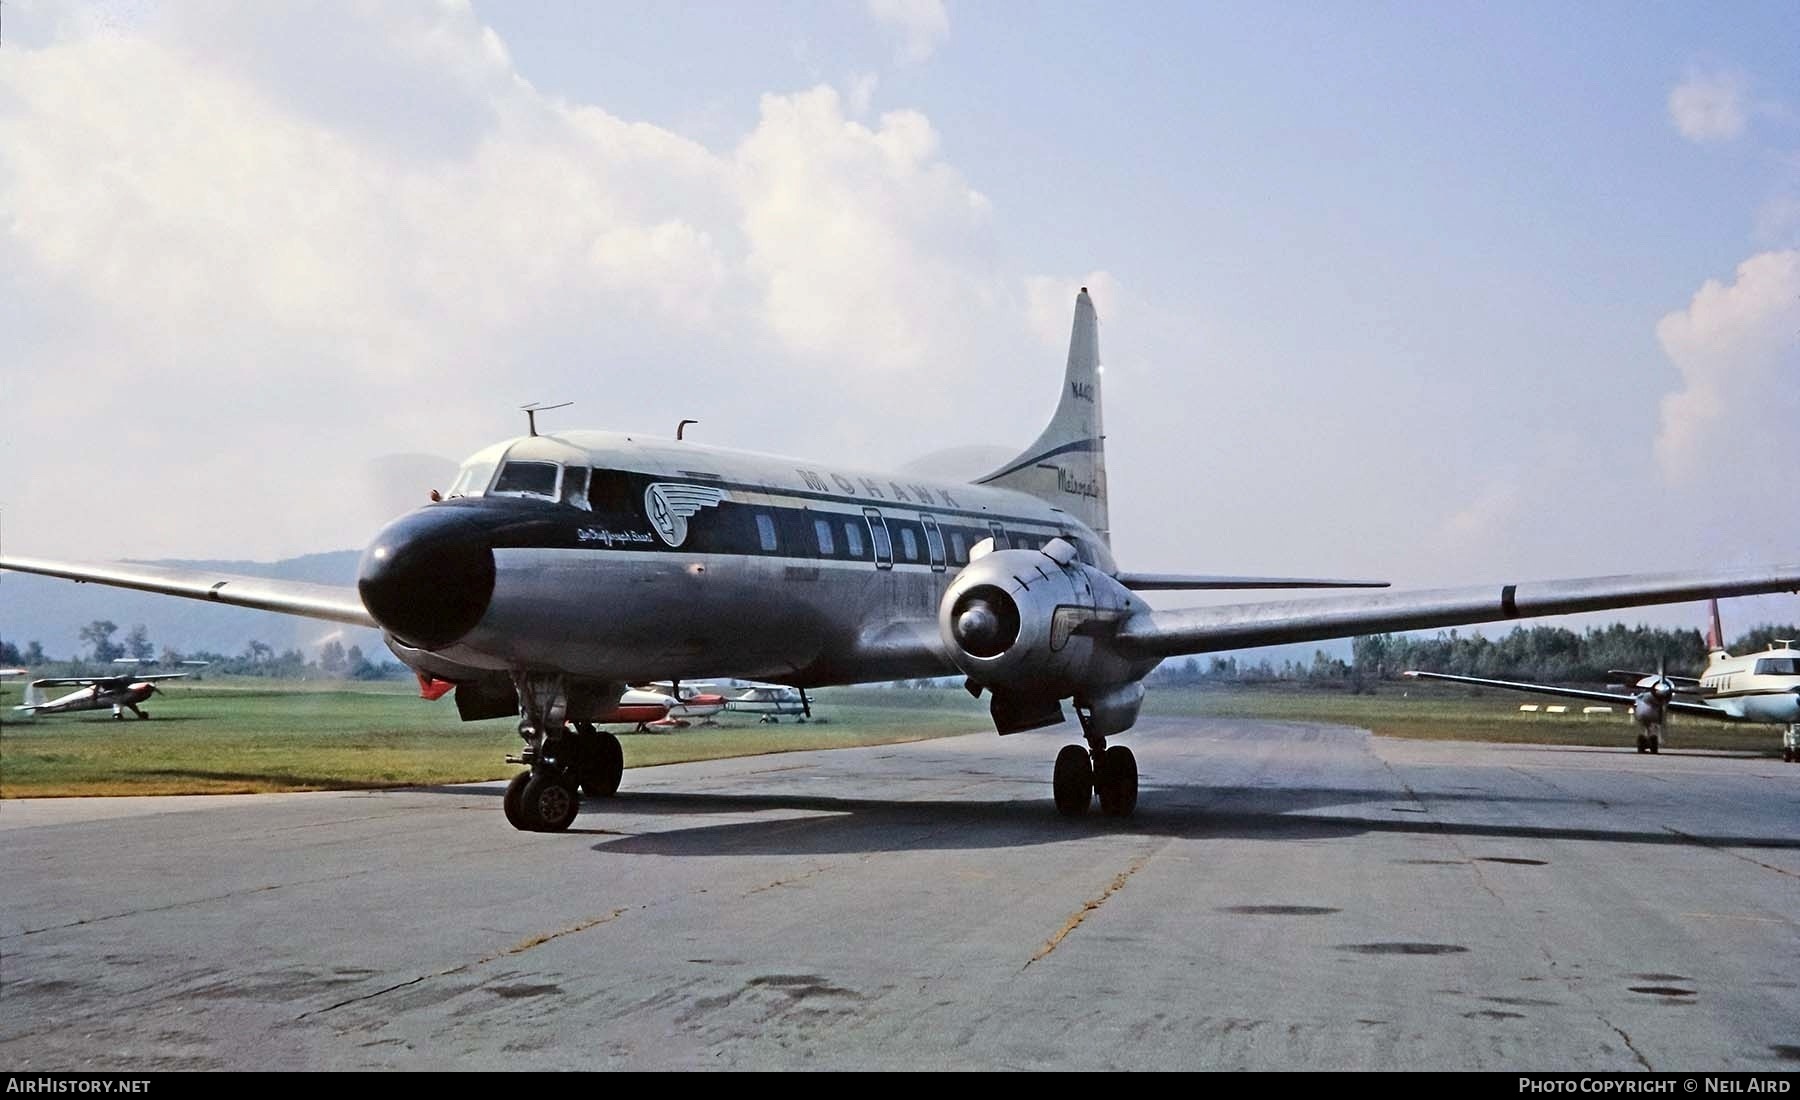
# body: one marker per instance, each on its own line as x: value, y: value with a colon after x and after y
x: 563, y: 759
x: 1082, y: 773
x: 1790, y: 745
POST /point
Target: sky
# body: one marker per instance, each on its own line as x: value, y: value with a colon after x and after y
x: 1442, y: 294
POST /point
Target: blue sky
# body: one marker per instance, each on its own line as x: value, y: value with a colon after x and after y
x: 1417, y: 291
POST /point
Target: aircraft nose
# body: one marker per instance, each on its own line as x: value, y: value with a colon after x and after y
x: 428, y: 576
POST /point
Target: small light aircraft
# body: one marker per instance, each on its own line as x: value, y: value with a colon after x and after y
x: 1758, y: 687
x: 121, y: 693
x: 558, y: 569
x: 770, y: 702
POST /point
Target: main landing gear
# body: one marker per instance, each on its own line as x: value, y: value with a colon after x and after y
x: 1650, y: 742
x: 564, y: 761
x: 1082, y: 773
x: 1790, y: 745
x: 119, y: 711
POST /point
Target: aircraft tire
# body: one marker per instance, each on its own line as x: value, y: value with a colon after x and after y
x: 549, y: 803
x: 1073, y: 781
x: 1117, y: 782
x: 1643, y: 743
x: 513, y: 802
x: 602, y: 765
x: 1655, y: 744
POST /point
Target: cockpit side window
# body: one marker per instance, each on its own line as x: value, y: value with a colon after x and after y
x: 527, y: 479
x: 609, y: 491
x: 575, y: 487
x: 473, y: 480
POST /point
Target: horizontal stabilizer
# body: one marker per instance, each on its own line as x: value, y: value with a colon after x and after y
x: 1196, y: 582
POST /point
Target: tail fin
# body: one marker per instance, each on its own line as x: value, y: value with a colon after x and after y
x: 1715, y: 634
x: 1067, y: 464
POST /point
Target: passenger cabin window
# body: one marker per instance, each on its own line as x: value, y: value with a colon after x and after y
x: 575, y: 487
x: 822, y: 527
x: 853, y: 538
x: 934, y: 542
x: 908, y: 544
x: 878, y: 537
x: 765, y: 531
x: 959, y: 548
x: 473, y: 480
x: 610, y: 491
x: 1778, y: 666
x: 527, y: 479
x: 998, y: 530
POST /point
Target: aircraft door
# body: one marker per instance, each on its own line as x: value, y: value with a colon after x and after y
x: 934, y: 543
x: 878, y: 538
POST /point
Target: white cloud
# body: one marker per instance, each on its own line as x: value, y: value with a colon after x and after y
x: 1709, y: 106
x: 1737, y: 346
x: 921, y: 25
x: 292, y: 256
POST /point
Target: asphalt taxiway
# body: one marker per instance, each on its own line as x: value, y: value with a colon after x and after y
x: 1288, y: 895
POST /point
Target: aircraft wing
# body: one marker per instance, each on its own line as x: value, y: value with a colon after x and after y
x: 1165, y: 582
x: 314, y: 601
x: 1676, y: 705
x: 70, y: 681
x: 1242, y: 626
x: 1682, y: 683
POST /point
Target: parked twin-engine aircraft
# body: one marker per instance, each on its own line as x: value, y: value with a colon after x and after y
x: 1758, y: 687
x: 559, y: 569
x: 121, y: 693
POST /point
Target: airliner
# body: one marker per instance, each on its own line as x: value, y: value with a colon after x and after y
x: 1756, y: 687
x: 560, y: 568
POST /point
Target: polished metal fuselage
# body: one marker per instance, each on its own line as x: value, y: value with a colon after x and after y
x: 605, y: 594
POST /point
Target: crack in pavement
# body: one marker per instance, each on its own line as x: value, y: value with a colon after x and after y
x: 519, y: 948
x: 1706, y: 843
x: 1093, y: 903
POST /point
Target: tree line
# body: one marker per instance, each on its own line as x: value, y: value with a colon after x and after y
x: 258, y: 658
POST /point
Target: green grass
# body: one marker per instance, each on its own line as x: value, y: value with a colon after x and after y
x: 253, y: 736
x: 219, y: 737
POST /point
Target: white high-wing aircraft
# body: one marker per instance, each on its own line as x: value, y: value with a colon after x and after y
x: 1757, y: 687
x: 770, y: 701
x: 561, y: 568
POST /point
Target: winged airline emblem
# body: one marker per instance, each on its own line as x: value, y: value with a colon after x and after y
x: 669, y: 505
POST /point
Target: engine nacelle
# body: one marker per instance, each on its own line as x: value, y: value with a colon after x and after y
x: 1647, y: 709
x: 1034, y: 627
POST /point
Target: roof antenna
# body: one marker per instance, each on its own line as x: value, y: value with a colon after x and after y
x: 534, y: 408
x: 682, y: 427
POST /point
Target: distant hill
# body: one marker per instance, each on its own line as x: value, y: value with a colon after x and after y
x: 53, y: 612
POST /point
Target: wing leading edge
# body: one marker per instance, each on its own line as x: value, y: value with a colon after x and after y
x: 1202, y: 582
x: 314, y: 601
x: 1242, y: 626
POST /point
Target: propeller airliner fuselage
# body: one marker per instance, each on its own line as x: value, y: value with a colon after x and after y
x: 559, y: 568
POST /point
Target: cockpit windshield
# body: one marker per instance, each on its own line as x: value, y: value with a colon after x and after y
x: 526, y: 479
x: 472, y: 480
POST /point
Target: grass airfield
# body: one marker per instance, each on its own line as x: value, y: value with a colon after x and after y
x: 249, y: 736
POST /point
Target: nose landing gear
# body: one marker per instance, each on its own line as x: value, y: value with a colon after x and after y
x: 563, y: 759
